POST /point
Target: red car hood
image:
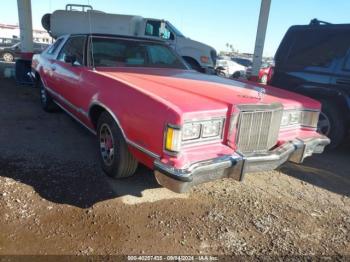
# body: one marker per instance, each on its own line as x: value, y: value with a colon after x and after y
x: 190, y: 91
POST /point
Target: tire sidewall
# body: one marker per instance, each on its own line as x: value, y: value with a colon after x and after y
x: 337, y: 123
x: 44, y: 97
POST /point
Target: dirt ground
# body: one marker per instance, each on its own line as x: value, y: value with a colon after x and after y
x: 54, y: 199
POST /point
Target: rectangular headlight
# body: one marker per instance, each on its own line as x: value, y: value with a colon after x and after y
x: 310, y: 118
x: 191, y: 131
x: 299, y: 117
x: 212, y: 128
x: 173, y: 139
x: 291, y: 118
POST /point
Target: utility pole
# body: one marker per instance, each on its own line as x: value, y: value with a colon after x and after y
x: 260, y: 38
x: 26, y: 28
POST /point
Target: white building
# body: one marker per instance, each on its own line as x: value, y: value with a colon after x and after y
x: 12, y: 31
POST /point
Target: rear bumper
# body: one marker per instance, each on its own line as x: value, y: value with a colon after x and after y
x: 236, y: 165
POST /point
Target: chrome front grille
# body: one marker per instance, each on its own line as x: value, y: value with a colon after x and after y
x: 258, y: 127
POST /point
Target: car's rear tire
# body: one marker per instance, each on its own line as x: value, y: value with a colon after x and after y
x: 331, y: 124
x: 116, y: 159
x: 8, y: 57
x: 46, y: 100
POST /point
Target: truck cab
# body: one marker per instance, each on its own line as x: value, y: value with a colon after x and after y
x: 197, y: 55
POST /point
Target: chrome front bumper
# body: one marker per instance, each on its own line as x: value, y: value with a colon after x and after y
x: 235, y: 166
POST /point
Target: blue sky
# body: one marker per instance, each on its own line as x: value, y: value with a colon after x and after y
x: 213, y: 22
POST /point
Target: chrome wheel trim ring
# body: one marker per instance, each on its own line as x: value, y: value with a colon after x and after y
x: 107, y: 149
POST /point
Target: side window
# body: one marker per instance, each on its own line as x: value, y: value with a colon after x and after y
x: 152, y: 28
x: 318, y: 49
x: 54, y: 46
x: 158, y: 29
x: 159, y: 55
x: 74, y: 47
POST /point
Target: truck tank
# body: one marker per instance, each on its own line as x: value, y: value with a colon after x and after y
x: 87, y: 20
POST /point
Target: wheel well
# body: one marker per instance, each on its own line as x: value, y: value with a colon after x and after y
x: 191, y: 59
x: 95, y: 113
x: 37, y: 78
x: 339, y: 102
x: 193, y: 63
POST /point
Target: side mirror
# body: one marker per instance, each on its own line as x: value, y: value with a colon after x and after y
x: 71, y: 59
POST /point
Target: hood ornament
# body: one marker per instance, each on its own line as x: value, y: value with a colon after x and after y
x: 261, y: 92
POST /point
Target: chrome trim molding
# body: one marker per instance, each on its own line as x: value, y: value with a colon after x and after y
x: 64, y: 100
x: 144, y: 150
x: 259, y: 107
x: 236, y: 165
x: 75, y: 118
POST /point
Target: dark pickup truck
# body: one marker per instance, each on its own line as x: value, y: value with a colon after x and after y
x: 314, y: 60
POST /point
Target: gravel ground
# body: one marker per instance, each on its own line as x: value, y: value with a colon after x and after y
x: 55, y: 200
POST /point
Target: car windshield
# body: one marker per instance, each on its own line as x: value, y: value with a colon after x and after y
x: 221, y: 62
x: 115, y: 52
x: 242, y: 61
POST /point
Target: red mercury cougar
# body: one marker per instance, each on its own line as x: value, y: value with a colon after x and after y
x: 146, y: 106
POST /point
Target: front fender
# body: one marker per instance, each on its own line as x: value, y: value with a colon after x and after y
x: 196, y: 54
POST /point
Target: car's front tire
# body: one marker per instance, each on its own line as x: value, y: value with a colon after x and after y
x: 331, y: 124
x: 116, y: 160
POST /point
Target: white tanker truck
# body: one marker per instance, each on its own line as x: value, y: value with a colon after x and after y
x: 86, y: 20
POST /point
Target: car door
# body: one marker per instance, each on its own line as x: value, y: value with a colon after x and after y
x: 48, y: 72
x: 69, y: 67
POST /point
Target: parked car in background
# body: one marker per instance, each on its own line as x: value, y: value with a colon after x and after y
x: 314, y: 60
x: 265, y: 73
x: 229, y: 68
x: 242, y: 61
x: 6, y: 42
x: 147, y: 107
x: 197, y: 55
x: 9, y: 54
